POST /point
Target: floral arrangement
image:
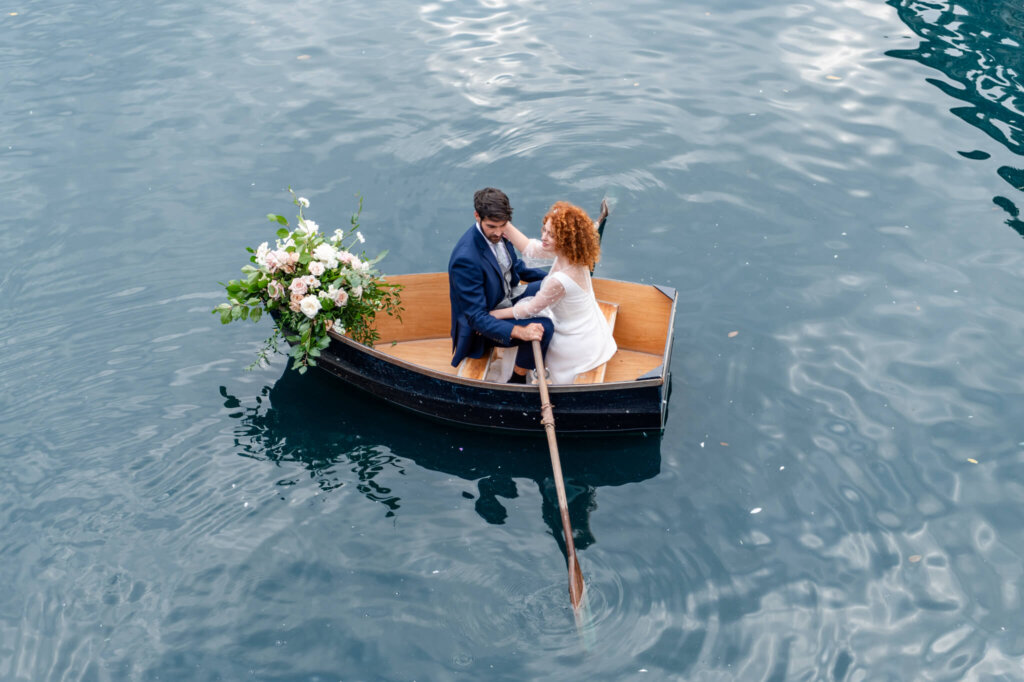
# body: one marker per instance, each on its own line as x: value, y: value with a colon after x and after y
x: 311, y: 285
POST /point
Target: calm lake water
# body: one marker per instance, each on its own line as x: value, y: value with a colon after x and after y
x: 840, y: 489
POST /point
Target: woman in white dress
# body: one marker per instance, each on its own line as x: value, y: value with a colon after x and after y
x: 582, y: 340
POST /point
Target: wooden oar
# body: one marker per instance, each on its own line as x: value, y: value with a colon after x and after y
x: 601, y: 220
x: 548, y: 420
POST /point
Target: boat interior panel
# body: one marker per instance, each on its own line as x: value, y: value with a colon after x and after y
x: 640, y: 316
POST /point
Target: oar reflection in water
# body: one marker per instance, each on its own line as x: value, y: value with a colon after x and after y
x: 342, y: 437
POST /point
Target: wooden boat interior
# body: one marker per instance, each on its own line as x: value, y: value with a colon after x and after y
x: 640, y: 316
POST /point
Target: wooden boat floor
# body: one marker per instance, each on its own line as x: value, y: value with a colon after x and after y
x: 436, y: 354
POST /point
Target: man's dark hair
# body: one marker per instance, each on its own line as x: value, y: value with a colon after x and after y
x: 492, y: 203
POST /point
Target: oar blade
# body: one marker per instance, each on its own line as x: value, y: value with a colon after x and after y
x: 575, y: 582
x: 602, y: 218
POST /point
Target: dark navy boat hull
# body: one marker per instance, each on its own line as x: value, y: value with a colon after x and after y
x: 622, y: 406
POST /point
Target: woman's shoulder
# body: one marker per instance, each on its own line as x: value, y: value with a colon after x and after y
x: 575, y: 271
x: 571, y: 273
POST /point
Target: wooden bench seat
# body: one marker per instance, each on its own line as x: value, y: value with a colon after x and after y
x: 476, y: 368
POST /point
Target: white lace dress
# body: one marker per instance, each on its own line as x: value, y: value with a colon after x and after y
x: 583, y: 340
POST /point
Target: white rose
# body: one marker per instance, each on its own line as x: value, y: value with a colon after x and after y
x: 316, y: 268
x: 303, y: 202
x: 357, y: 291
x: 325, y: 252
x: 338, y: 236
x: 310, y: 306
x: 261, y: 254
x: 362, y: 239
x: 308, y: 226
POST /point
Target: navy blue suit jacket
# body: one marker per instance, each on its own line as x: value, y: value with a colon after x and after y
x: 475, y: 288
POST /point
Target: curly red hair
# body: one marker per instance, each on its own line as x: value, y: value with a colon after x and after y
x: 573, y: 234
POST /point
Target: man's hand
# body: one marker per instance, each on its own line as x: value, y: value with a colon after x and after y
x: 528, y: 332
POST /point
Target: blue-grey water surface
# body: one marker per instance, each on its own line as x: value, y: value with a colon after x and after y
x: 839, y: 491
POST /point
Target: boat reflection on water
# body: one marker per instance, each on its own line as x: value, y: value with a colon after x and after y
x: 342, y: 436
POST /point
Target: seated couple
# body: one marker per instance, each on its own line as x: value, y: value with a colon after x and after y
x: 498, y: 301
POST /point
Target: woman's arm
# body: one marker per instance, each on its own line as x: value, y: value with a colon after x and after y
x: 531, y: 248
x: 502, y: 313
x: 518, y: 239
x: 551, y: 291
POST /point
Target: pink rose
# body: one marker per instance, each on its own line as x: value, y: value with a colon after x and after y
x: 291, y: 259
x: 275, y: 289
x: 273, y: 261
x: 316, y: 268
x: 339, y: 296
x: 296, y: 303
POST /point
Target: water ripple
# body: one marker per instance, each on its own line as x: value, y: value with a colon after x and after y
x: 837, y: 495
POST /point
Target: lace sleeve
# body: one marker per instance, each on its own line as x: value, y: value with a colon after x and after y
x: 534, y: 249
x: 551, y: 292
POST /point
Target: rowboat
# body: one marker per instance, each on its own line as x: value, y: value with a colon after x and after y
x: 410, y: 365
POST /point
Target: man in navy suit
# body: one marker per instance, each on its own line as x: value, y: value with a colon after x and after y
x: 484, y: 273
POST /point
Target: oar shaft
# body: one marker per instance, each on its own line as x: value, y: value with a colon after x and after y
x: 563, y: 502
x: 548, y: 419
